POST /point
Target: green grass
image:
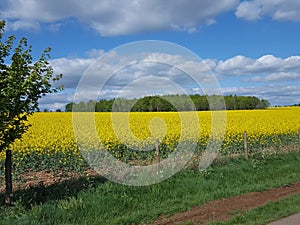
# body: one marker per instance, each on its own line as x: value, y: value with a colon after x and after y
x: 103, y: 202
x: 267, y: 213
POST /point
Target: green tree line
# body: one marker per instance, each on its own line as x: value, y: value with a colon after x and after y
x: 168, y: 103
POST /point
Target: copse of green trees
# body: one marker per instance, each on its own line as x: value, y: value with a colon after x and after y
x: 163, y: 104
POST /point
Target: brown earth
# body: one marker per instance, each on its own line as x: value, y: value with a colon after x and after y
x: 223, y: 209
x: 31, y: 179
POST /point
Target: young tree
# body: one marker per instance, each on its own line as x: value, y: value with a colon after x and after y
x: 22, y: 83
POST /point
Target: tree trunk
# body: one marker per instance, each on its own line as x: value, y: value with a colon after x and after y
x: 8, y: 178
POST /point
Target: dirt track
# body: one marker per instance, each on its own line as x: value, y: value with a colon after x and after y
x: 221, y: 210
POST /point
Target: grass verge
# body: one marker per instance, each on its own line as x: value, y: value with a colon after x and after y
x: 110, y: 203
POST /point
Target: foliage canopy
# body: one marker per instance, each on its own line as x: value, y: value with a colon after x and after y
x: 22, y: 83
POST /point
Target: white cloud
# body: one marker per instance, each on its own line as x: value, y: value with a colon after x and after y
x: 249, y: 10
x: 95, y: 53
x: 120, y: 17
x: 265, y: 65
x: 72, y: 69
x: 110, y: 18
x: 153, y: 77
x: 276, y: 77
x: 55, y: 101
x: 233, y: 66
x: 274, y: 93
x: 148, y: 76
x: 23, y: 24
x: 277, y: 9
x: 280, y: 77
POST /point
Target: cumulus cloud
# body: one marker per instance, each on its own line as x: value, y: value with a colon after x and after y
x: 277, y: 77
x: 280, y: 77
x: 276, y: 94
x: 95, y: 53
x: 249, y: 10
x: 55, y: 101
x: 119, y: 17
x: 111, y: 18
x: 153, y: 73
x: 233, y: 66
x: 24, y: 25
x: 72, y: 69
x: 265, y: 65
x: 149, y: 76
x: 278, y: 10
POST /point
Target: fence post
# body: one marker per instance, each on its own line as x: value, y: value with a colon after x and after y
x: 245, y: 146
x: 8, y: 178
x: 299, y: 135
x: 157, y: 150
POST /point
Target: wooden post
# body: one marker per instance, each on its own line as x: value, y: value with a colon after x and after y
x: 157, y: 150
x: 245, y: 146
x: 299, y: 135
x: 8, y: 178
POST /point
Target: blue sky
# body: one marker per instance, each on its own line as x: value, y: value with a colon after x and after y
x: 252, y: 47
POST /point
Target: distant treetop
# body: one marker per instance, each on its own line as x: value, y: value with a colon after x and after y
x: 163, y: 104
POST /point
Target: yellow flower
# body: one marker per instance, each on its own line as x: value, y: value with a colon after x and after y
x: 54, y: 131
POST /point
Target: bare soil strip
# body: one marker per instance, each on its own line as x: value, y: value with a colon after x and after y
x: 42, y: 178
x: 223, y: 209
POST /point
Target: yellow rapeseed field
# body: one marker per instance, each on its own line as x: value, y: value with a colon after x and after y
x: 53, y: 132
